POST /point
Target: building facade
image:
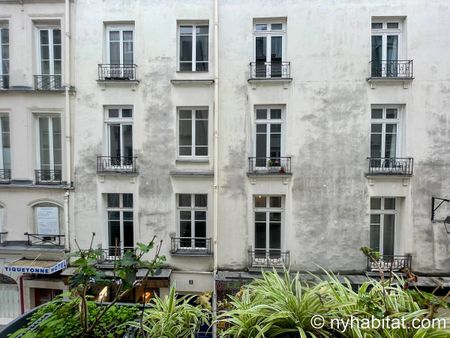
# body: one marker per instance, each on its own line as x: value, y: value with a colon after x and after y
x: 244, y: 135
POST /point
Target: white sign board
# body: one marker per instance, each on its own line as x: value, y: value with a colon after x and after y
x: 47, y: 220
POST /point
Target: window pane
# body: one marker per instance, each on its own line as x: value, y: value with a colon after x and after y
x: 202, y: 30
x: 377, y: 25
x: 275, y: 216
x: 375, y: 237
x: 389, y: 203
x: 377, y: 113
x: 200, y: 215
x: 202, y: 48
x: 201, y: 114
x: 127, y: 200
x: 260, y: 216
x: 261, y: 49
x: 113, y: 200
x: 390, y: 147
x: 185, y: 131
x: 128, y: 241
x: 127, y: 112
x: 261, y: 27
x: 392, y: 52
x: 56, y: 36
x: 4, y: 35
x: 260, y: 235
x: 185, y: 151
x: 260, y: 201
x: 185, y: 48
x: 377, y: 52
x: 277, y: 26
x: 201, y: 151
x: 185, y: 229
x: 127, y: 131
x: 44, y: 143
x: 275, y: 202
x: 185, y: 29
x: 392, y: 25
x: 261, y: 114
x: 113, y: 112
x: 185, y: 114
x: 184, y: 200
x: 57, y: 148
x: 375, y: 203
x: 114, y: 140
x: 388, y: 234
x: 114, y: 233
x: 275, y: 236
x: 201, y: 132
x: 391, y: 113
x: 374, y: 219
x: 275, y: 114
x: 201, y: 200
x: 261, y: 145
x: 200, y: 229
x: 375, y: 146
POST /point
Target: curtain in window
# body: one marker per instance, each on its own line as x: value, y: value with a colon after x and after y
x: 392, y: 55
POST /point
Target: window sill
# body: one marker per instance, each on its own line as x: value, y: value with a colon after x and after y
x: 207, y: 82
x: 192, y: 160
x: 192, y: 173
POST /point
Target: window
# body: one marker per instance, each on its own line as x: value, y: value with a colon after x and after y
x: 268, y: 212
x: 384, y: 137
x: 49, y: 58
x: 119, y: 125
x: 5, y: 147
x: 49, y: 148
x: 120, y: 223
x: 383, y: 213
x: 193, y: 48
x: 269, y: 48
x: 192, y: 210
x: 4, y: 57
x: 268, y: 144
x: 192, y: 132
x: 120, y: 54
x: 386, y: 48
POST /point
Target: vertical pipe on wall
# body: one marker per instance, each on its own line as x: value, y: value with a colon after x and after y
x: 68, y: 143
x: 216, y: 152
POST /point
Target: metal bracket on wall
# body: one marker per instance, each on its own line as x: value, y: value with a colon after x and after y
x: 434, y: 207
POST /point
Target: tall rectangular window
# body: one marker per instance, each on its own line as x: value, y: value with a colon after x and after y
x: 383, y: 213
x: 193, y: 47
x: 5, y: 147
x: 269, y: 48
x: 119, y: 130
x: 268, y: 137
x: 192, y: 209
x: 49, y: 58
x: 50, y: 148
x: 120, y: 45
x: 119, y: 208
x: 4, y: 56
x: 192, y: 132
x: 386, y: 47
x: 268, y: 218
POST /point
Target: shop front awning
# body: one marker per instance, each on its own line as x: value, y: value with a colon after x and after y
x: 40, y: 267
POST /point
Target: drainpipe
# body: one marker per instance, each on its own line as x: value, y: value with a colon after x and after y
x: 216, y: 153
x: 67, y: 119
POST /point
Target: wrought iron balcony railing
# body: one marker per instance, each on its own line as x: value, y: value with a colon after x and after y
x: 391, y: 166
x: 391, y: 69
x: 44, y: 240
x: 48, y: 82
x: 5, y: 176
x: 112, y: 254
x: 270, y: 70
x: 2, y: 237
x: 200, y: 246
x: 390, y: 263
x: 108, y: 72
x: 272, y: 258
x: 269, y: 165
x: 4, y: 81
x: 116, y: 164
x: 48, y: 177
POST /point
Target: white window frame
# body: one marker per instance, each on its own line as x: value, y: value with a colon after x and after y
x: 49, y: 28
x: 193, y: 132
x: 51, y: 142
x: 267, y: 209
x: 2, y: 71
x: 384, y: 32
x: 121, y: 29
x: 268, y: 121
x: 268, y: 34
x: 382, y: 211
x: 194, y: 44
x: 192, y: 209
x: 383, y: 121
x: 2, y: 164
x: 122, y: 121
x: 121, y: 209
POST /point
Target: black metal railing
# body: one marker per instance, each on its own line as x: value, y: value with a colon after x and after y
x: 4, y: 81
x: 116, y: 164
x: 112, y: 254
x: 2, y: 237
x: 270, y: 70
x: 391, y: 166
x: 390, y: 263
x: 48, y: 177
x: 391, y: 68
x: 5, y: 176
x: 48, y: 82
x: 272, y: 258
x: 44, y: 239
x: 269, y: 165
x: 116, y: 72
x: 191, y: 245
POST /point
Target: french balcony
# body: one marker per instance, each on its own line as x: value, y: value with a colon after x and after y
x: 120, y: 164
x: 48, y: 82
x: 45, y: 240
x: 400, y: 166
x: 270, y: 70
x: 110, y: 255
x: 191, y: 246
x: 272, y: 258
x: 117, y: 72
x: 269, y: 165
x: 5, y: 176
x: 390, y: 263
x: 391, y: 69
x: 48, y: 177
x: 4, y: 82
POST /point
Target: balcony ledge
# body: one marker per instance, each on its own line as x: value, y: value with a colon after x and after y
x: 31, y: 185
x: 118, y: 172
x: 373, y: 81
x: 206, y: 82
x: 191, y: 253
